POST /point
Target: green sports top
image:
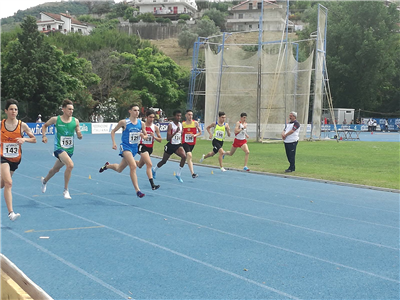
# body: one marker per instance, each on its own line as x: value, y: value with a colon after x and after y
x: 219, y: 132
x: 64, y: 139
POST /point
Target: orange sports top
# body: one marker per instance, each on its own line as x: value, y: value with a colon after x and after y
x: 10, y: 150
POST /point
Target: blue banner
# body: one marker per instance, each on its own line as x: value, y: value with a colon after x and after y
x: 36, y: 128
x: 359, y: 127
x: 164, y: 126
x: 392, y: 123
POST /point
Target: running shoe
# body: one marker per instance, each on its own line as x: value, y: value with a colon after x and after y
x: 13, y: 216
x: 44, y: 185
x: 139, y: 194
x: 223, y: 169
x: 202, y: 158
x: 66, y: 194
x: 288, y: 171
x: 246, y: 169
x: 103, y: 168
x: 179, y: 178
x: 154, y: 173
x: 155, y: 187
x: 194, y: 175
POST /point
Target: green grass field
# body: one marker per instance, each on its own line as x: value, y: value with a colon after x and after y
x: 366, y: 163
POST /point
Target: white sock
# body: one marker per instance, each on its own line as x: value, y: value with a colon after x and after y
x: 155, y: 168
x: 179, y: 171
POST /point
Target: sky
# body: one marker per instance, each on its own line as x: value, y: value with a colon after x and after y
x: 9, y: 7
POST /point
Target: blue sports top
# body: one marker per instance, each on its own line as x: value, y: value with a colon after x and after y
x: 131, y: 134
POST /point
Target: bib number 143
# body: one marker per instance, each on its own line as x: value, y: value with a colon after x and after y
x: 10, y: 150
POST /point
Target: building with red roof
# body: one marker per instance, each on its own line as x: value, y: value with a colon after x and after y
x: 63, y: 23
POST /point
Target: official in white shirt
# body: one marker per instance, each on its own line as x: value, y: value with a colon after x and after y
x: 290, y: 136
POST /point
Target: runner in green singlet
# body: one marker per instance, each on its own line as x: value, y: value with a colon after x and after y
x: 66, y: 125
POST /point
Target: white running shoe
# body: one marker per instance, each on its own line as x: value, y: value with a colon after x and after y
x: 66, y: 194
x: 44, y: 185
x: 13, y: 216
x: 223, y: 169
x: 202, y: 158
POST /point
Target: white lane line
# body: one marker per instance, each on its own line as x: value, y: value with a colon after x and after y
x: 72, y: 266
x: 168, y: 250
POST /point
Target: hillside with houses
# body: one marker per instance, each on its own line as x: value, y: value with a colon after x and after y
x: 362, y: 41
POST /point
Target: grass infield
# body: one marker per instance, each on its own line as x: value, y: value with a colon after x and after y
x: 366, y: 163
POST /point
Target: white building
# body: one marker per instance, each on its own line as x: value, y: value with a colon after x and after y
x: 175, y: 7
x: 246, y: 16
x: 63, y: 23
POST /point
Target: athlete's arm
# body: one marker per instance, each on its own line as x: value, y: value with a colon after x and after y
x: 158, y: 138
x: 143, y: 134
x: 237, y: 128
x: 228, y: 129
x: 78, y: 129
x: 25, y: 128
x: 209, y: 127
x: 198, y: 129
x: 121, y: 124
x: 50, y: 122
x: 169, y: 134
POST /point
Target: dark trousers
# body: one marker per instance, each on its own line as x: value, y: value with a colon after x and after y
x: 291, y: 154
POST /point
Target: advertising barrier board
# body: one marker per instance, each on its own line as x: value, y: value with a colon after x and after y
x: 86, y: 128
x: 36, y: 128
x: 102, y: 128
x: 163, y: 126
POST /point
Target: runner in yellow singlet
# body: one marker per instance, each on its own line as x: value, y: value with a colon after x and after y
x: 220, y: 130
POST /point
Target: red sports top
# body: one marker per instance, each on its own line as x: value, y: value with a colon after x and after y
x: 186, y: 136
x: 149, y: 142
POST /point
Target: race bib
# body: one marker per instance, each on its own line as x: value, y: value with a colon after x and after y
x: 189, y: 138
x: 219, y: 134
x: 66, y: 142
x: 134, y: 137
x: 10, y: 150
x: 177, y: 137
x: 148, y: 141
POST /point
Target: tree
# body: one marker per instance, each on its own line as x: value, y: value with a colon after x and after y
x: 105, y: 36
x: 299, y: 6
x: 92, y: 3
x: 155, y: 77
x: 186, y: 39
x: 218, y: 17
x: 102, y: 7
x: 147, y: 17
x: 362, y: 54
x: 184, y: 17
x: 80, y: 76
x: 221, y: 6
x: 120, y: 9
x: 152, y: 79
x: 206, y: 27
x: 38, y: 75
x: 109, y: 67
x: 201, y: 4
x: 129, y: 13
